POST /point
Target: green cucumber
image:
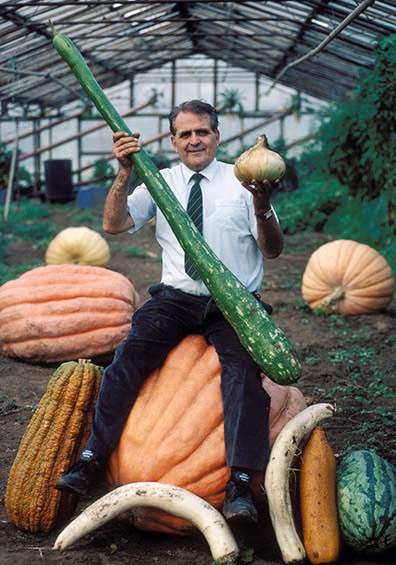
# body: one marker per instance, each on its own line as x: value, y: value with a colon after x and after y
x: 266, y: 343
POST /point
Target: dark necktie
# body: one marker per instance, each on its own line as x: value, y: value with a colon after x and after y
x: 194, y: 210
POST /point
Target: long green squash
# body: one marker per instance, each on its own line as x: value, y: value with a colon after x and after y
x: 266, y: 343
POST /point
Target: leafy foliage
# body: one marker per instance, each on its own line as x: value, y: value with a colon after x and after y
x: 103, y: 172
x: 348, y: 172
x: 29, y: 223
x: 358, y: 141
x: 231, y: 100
x: 22, y: 175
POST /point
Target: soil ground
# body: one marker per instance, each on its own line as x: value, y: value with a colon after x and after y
x: 350, y: 361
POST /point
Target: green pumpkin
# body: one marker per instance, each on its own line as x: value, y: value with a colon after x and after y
x: 366, y: 498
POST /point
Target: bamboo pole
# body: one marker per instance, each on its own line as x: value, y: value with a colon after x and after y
x: 11, y: 176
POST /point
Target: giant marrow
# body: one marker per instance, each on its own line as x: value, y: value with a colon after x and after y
x: 266, y: 343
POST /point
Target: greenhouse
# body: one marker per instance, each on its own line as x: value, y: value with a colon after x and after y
x: 197, y: 317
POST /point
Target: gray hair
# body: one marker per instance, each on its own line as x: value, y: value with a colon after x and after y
x: 196, y: 107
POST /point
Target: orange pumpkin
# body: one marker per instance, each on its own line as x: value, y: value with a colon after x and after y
x: 174, y: 433
x: 347, y: 277
x: 63, y: 312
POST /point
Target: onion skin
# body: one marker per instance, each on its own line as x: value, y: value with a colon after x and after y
x: 259, y: 163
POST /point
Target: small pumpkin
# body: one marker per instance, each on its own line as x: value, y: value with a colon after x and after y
x: 80, y: 245
x: 348, y: 278
x: 58, y: 430
x: 174, y: 433
x: 62, y: 312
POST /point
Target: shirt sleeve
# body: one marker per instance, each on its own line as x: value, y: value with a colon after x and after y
x: 141, y: 207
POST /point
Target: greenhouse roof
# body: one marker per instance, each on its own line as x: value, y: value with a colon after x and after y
x: 120, y: 39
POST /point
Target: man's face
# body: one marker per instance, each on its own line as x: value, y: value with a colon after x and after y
x: 195, y: 142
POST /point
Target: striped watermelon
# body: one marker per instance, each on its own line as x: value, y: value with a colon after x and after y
x: 366, y: 492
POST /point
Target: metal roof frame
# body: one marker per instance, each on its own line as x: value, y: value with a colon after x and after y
x: 121, y: 39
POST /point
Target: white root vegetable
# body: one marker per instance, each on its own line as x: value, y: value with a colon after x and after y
x: 172, y: 499
x: 277, y: 478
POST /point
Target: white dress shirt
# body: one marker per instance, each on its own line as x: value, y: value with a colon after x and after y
x: 229, y: 225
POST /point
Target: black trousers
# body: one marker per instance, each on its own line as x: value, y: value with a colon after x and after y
x: 157, y: 327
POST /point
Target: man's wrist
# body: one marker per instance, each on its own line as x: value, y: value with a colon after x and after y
x: 264, y: 214
x: 124, y: 172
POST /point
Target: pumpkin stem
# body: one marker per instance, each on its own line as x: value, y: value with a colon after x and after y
x: 327, y: 306
x: 337, y: 294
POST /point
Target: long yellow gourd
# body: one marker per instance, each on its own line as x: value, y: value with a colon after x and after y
x: 318, y: 506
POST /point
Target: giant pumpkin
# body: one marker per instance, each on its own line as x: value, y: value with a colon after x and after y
x: 348, y: 278
x: 174, y: 433
x: 63, y: 312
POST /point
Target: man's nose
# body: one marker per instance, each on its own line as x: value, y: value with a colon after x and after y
x: 194, y: 139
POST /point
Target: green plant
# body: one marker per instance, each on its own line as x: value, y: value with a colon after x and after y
x: 28, y: 221
x: 103, y: 173
x: 348, y: 172
x: 231, y: 100
x: 22, y: 175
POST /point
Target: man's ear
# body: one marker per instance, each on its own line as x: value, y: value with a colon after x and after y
x: 172, y: 138
x: 217, y: 132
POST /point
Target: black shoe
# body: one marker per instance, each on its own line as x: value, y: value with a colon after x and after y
x: 238, y: 504
x: 81, y: 478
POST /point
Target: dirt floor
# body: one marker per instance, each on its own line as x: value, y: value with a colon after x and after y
x: 347, y: 361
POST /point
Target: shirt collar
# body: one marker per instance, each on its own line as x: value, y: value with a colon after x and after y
x: 208, y: 172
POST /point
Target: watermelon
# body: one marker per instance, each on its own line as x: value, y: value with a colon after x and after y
x: 366, y: 500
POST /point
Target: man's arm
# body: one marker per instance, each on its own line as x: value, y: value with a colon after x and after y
x: 270, y: 235
x: 116, y: 218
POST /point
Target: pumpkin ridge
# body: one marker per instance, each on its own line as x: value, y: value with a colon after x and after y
x: 95, y: 343
x: 385, y: 285
x: 195, y: 365
x: 68, y: 293
x: 161, y: 430
x: 199, y: 453
x: 66, y: 273
x: 72, y: 305
x: 361, y: 277
x: 65, y: 268
x: 46, y: 328
x: 363, y: 256
x: 344, y: 253
x: 331, y: 276
x: 82, y: 333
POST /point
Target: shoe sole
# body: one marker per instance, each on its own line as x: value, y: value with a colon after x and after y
x: 64, y: 487
x: 241, y: 518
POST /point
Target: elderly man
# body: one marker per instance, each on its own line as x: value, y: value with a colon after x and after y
x: 241, y: 227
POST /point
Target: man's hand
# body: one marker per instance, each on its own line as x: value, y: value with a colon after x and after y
x: 261, y: 190
x: 123, y: 146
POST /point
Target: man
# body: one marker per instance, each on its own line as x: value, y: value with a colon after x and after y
x: 240, y: 226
